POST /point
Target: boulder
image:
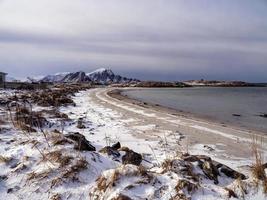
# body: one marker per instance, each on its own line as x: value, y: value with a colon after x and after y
x: 132, y: 157
x: 81, y: 143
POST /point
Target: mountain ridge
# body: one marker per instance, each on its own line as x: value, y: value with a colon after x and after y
x: 99, y: 76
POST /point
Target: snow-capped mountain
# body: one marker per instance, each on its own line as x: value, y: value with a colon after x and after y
x: 76, y: 77
x: 54, y: 78
x: 106, y: 76
x: 99, y: 76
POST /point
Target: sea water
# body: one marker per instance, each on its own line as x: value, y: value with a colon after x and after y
x: 221, y: 104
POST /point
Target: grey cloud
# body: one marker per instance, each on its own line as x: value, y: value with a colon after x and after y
x: 181, y: 39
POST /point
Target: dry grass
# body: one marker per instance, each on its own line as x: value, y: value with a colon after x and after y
x: 58, y: 138
x: 241, y: 186
x: 56, y: 181
x: 186, y: 186
x: 71, y: 172
x: 166, y: 165
x: 39, y: 176
x: 180, y: 196
x: 174, y: 165
x: 258, y: 169
x: 55, y: 197
x: 103, y: 183
x: 4, y: 159
x: 58, y: 157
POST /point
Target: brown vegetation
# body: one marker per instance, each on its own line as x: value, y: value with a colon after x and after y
x: 4, y: 159
x: 258, y: 168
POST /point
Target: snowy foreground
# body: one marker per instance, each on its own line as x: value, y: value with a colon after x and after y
x: 44, y: 161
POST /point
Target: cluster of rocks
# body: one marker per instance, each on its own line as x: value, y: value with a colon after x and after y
x: 129, y: 157
x: 183, y: 165
x: 115, y: 151
x: 210, y: 168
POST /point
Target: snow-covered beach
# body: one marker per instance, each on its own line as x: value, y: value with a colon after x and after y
x: 46, y: 165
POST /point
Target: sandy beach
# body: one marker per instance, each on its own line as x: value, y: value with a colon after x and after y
x: 229, y: 141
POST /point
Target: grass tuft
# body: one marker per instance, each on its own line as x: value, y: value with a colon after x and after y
x: 4, y: 159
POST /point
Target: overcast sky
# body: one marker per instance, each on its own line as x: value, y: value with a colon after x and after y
x: 147, y: 39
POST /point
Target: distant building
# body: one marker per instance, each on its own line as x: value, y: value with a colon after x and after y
x: 2, y: 79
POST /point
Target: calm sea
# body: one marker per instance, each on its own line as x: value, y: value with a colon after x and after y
x: 213, y: 103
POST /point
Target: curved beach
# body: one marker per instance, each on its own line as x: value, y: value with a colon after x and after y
x: 226, y: 142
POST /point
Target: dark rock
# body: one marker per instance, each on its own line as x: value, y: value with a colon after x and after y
x: 195, y: 158
x: 263, y: 115
x: 116, y: 146
x: 3, y: 177
x: 231, y: 193
x: 217, y: 164
x: 236, y: 115
x: 124, y: 149
x: 9, y: 190
x: 132, y: 157
x: 231, y: 173
x: 121, y: 197
x: 81, y: 143
x: 209, y: 148
x: 80, y: 124
x: 190, y: 158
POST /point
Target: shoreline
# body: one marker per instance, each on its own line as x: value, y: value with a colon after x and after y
x: 230, y: 143
x: 117, y: 94
x: 122, y: 140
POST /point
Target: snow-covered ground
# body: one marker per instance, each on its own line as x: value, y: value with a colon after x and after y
x: 38, y: 166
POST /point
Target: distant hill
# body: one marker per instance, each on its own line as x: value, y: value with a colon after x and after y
x: 215, y: 83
